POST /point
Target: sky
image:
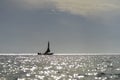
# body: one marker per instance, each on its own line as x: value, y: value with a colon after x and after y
x: 71, y: 26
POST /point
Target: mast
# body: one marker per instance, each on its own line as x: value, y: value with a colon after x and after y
x: 48, y: 49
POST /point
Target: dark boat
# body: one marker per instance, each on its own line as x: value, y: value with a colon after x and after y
x: 47, y: 52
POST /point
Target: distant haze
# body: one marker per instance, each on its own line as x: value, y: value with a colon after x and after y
x: 71, y: 26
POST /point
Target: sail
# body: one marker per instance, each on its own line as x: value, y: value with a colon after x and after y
x: 48, y: 48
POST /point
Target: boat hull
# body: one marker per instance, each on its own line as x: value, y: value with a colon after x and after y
x: 45, y: 54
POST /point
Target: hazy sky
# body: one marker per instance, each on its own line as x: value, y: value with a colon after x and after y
x: 69, y: 25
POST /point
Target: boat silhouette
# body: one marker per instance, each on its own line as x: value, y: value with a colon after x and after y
x: 47, y: 52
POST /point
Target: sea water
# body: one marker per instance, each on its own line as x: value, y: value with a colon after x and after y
x: 59, y: 67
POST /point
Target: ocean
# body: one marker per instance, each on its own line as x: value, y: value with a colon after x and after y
x: 60, y: 67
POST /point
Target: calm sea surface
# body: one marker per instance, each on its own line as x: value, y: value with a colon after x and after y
x: 59, y: 67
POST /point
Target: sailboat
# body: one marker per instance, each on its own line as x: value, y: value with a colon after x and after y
x: 47, y: 52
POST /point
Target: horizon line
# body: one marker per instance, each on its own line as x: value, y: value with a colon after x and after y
x: 62, y: 54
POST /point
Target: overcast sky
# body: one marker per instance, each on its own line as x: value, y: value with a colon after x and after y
x: 69, y: 25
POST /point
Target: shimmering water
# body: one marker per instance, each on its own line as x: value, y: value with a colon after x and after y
x: 59, y: 67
